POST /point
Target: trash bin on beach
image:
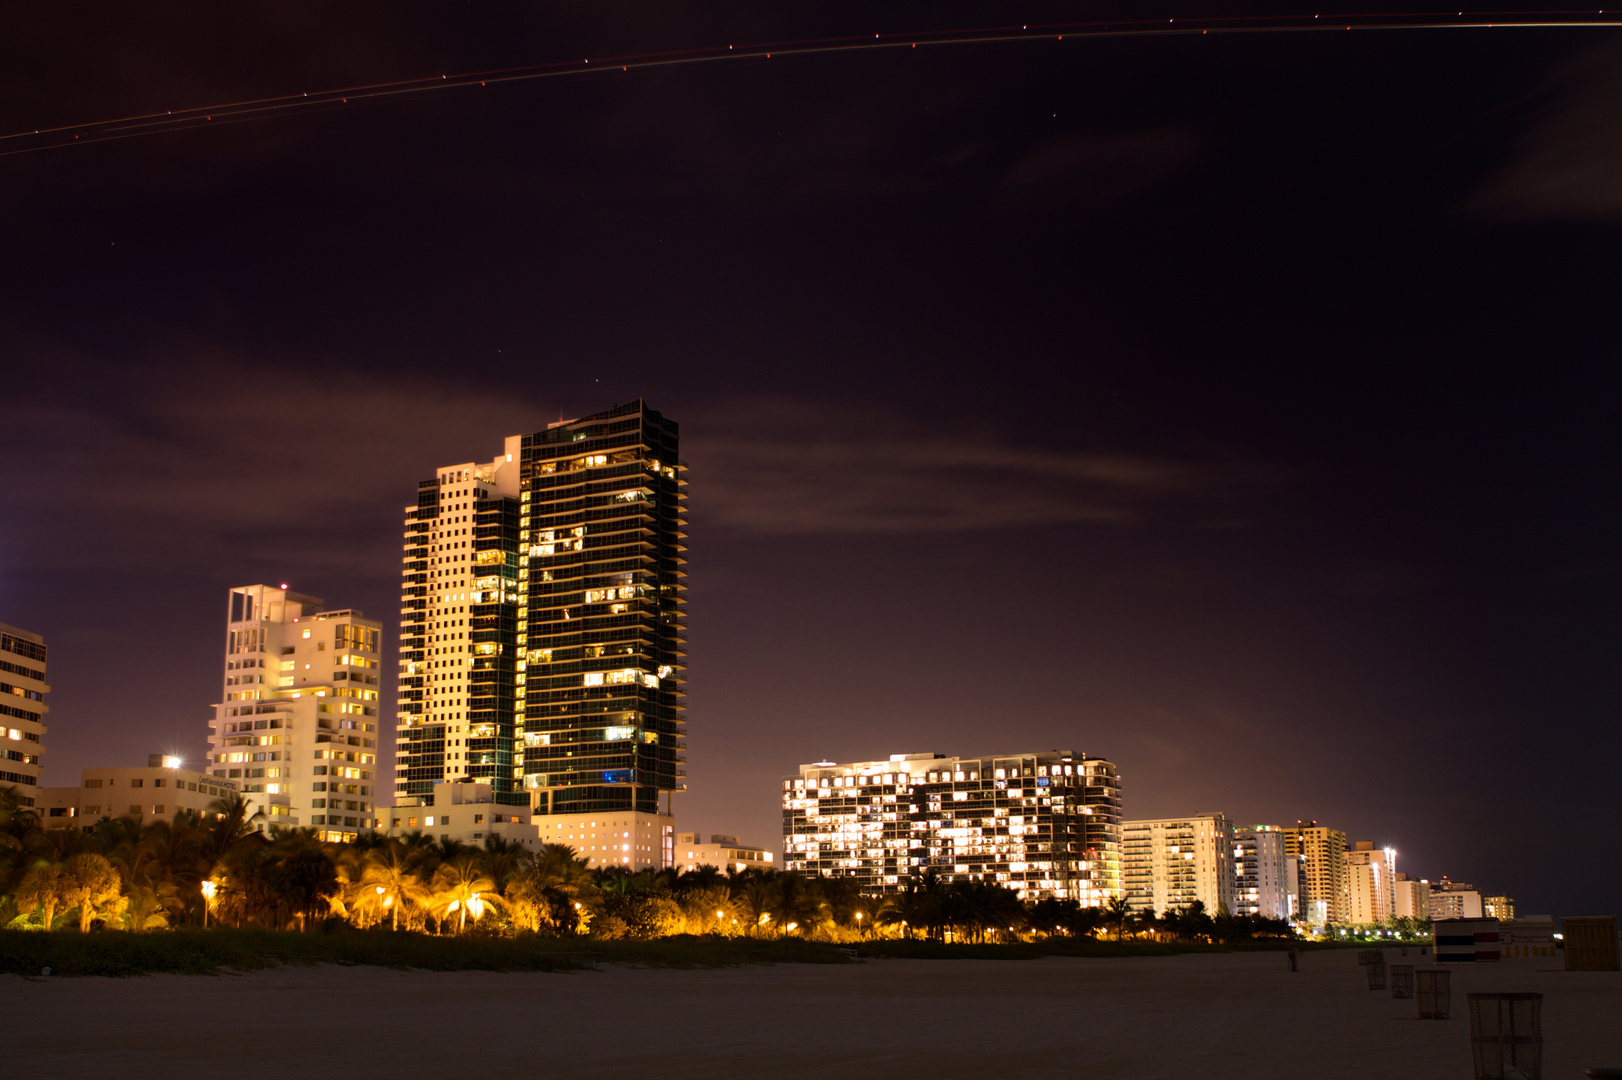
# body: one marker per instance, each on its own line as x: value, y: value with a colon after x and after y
x: 1376, y: 976
x: 1402, y: 980
x: 1506, y: 1036
x: 1433, y: 992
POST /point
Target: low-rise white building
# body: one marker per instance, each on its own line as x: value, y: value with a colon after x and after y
x: 623, y: 838
x: 726, y: 853
x: 154, y: 793
x: 465, y: 812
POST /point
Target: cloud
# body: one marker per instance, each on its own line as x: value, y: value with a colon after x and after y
x: 775, y: 466
x: 1089, y: 168
x: 1570, y: 165
x: 210, y: 464
x: 213, y: 461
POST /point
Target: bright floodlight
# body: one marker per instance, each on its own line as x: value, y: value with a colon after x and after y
x: 170, y: 761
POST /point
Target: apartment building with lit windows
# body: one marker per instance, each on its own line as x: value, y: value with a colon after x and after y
x: 459, y: 632
x: 1371, y: 884
x: 22, y: 710
x: 1321, y: 856
x: 1264, y: 876
x: 1168, y: 863
x: 1043, y: 824
x: 542, y: 646
x: 298, y: 725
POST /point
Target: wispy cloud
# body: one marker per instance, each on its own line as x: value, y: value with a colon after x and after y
x: 1570, y: 165
x: 774, y: 466
x: 219, y: 464
x: 214, y: 462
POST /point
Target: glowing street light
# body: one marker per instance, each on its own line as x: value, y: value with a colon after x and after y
x: 208, y: 888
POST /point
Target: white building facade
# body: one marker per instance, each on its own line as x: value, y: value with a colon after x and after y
x: 1371, y: 884
x: 298, y: 725
x: 726, y: 853
x: 157, y: 792
x: 1264, y: 876
x: 1168, y: 863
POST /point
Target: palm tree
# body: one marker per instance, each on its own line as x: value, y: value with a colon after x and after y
x: 232, y: 822
x: 394, y: 873
x: 1116, y: 912
x: 461, y: 886
x: 41, y: 890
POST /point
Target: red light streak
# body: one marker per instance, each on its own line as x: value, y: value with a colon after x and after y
x: 263, y: 108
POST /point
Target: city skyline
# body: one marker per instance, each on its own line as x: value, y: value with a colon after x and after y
x: 1257, y: 439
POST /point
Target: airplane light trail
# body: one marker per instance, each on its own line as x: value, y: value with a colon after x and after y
x: 265, y: 108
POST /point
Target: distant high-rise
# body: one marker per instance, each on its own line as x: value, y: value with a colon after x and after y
x: 1371, y: 884
x: 1168, y: 863
x: 22, y: 709
x: 297, y: 726
x: 1321, y: 855
x: 1044, y: 825
x: 1264, y: 879
x: 1413, y: 897
x: 542, y: 647
x: 1455, y: 900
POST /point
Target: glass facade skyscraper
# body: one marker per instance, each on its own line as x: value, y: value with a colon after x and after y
x: 600, y: 634
x: 542, y: 646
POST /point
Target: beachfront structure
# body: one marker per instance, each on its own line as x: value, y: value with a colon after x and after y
x: 1455, y: 900
x: 1169, y: 863
x: 1371, y: 884
x: 297, y: 728
x: 150, y: 794
x: 1411, y: 899
x: 726, y: 853
x: 1264, y: 875
x: 542, y: 646
x: 22, y: 709
x: 1042, y: 824
x: 1498, y: 907
x: 465, y: 812
x: 630, y: 841
x: 1321, y: 855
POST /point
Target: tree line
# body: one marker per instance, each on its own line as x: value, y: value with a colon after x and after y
x: 220, y: 869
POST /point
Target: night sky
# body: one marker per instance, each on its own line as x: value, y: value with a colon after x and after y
x: 1241, y: 408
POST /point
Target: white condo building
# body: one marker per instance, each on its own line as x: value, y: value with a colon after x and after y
x: 298, y: 724
x: 1371, y: 884
x: 1264, y: 875
x: 1169, y: 863
x: 1413, y: 898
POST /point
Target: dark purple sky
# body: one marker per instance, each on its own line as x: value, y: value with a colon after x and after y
x: 1242, y: 409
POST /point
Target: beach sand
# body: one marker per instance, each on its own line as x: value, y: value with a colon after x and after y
x: 1196, y: 1016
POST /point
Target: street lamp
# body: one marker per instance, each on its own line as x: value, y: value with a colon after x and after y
x: 208, y: 899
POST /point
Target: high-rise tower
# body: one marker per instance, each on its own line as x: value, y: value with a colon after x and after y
x: 458, y: 631
x: 297, y: 726
x: 542, y: 648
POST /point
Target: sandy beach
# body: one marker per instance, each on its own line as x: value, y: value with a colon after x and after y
x: 1237, y: 1015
